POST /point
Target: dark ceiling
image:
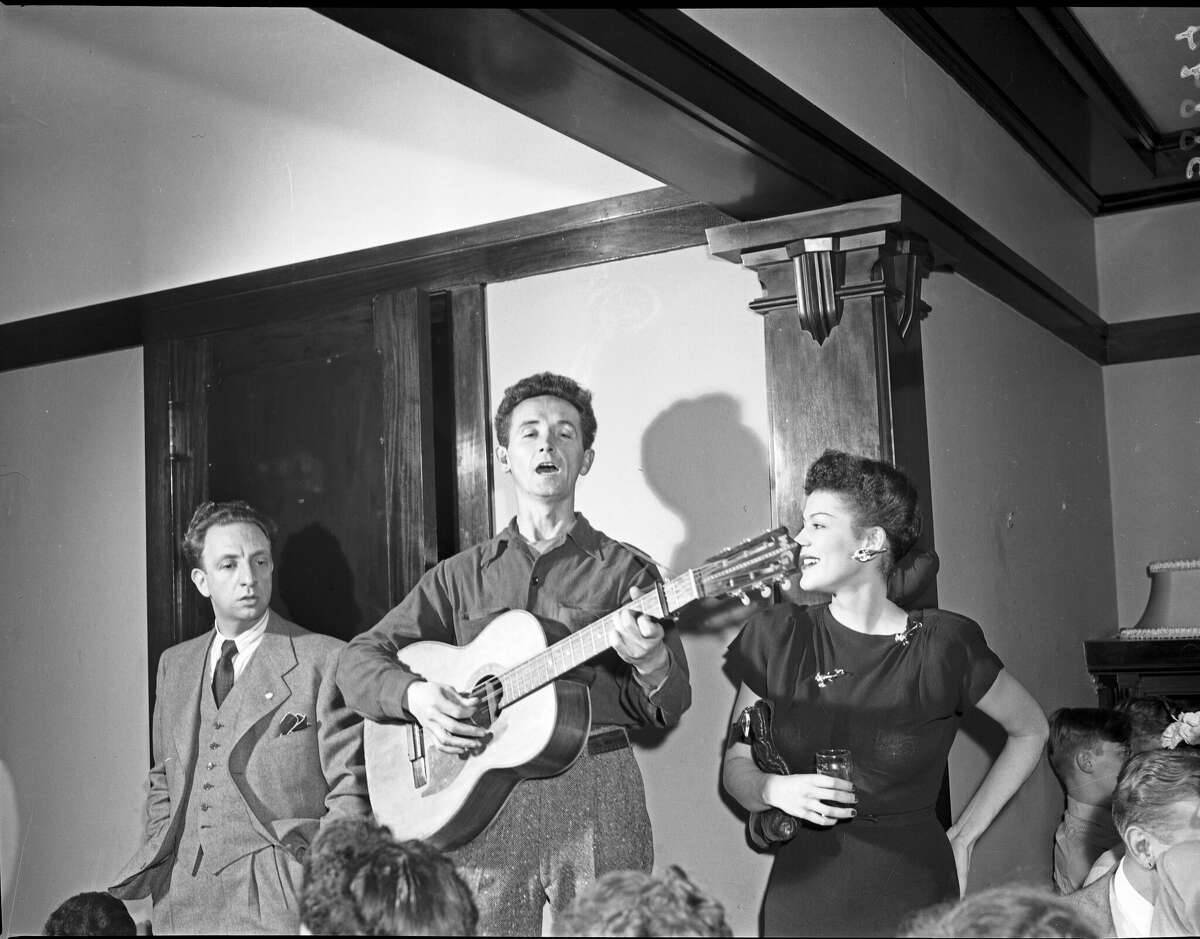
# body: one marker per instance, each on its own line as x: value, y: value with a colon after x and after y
x: 1094, y: 93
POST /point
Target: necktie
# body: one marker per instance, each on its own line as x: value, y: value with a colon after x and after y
x: 223, y: 675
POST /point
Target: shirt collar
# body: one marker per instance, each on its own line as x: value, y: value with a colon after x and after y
x: 581, y: 533
x: 1093, y: 814
x: 1131, y: 912
x: 248, y: 638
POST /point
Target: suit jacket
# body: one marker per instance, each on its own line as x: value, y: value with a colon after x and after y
x: 290, y: 783
x: 1094, y: 903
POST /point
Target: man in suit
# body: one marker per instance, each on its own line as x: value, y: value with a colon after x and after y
x: 1156, y: 805
x: 254, y: 747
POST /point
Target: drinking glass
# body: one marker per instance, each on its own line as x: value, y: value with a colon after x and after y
x: 834, y: 762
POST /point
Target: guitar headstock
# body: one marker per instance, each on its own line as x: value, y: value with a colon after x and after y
x: 755, y: 564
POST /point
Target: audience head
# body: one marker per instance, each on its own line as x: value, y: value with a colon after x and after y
x: 1157, y: 803
x: 633, y: 903
x: 547, y: 383
x: 361, y: 881
x: 1016, y: 910
x: 877, y: 493
x: 1087, y: 748
x: 90, y: 914
x: 1148, y: 718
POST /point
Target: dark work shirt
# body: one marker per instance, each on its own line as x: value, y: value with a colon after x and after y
x: 572, y: 585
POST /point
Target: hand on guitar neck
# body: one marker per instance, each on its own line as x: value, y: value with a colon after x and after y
x: 445, y: 714
x: 638, y: 640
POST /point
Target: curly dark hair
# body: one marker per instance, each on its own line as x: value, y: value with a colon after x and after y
x: 90, y: 914
x: 879, y: 493
x: 634, y: 903
x: 547, y: 383
x: 360, y: 881
x: 208, y: 514
x: 1148, y: 718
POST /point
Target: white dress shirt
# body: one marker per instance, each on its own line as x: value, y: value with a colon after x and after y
x: 1131, y: 912
x: 247, y: 643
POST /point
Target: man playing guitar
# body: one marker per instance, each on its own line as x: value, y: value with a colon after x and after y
x: 553, y: 836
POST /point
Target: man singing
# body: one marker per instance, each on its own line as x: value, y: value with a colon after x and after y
x: 554, y: 836
x: 253, y: 747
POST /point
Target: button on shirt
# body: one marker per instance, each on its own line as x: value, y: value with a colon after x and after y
x: 1131, y: 912
x: 247, y: 643
x: 569, y: 586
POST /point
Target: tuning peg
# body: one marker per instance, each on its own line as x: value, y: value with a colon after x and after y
x: 764, y: 591
x: 785, y: 584
x: 741, y: 595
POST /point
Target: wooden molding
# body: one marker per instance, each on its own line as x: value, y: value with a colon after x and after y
x: 655, y: 90
x: 1164, y: 337
x: 812, y: 264
x: 626, y: 226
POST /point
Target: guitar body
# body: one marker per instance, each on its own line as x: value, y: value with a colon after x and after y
x: 455, y: 797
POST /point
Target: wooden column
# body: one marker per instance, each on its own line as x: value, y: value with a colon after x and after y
x: 842, y: 311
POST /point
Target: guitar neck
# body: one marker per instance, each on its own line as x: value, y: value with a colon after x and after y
x: 587, y: 643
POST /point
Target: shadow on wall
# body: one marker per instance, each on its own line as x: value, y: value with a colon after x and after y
x: 703, y: 462
x: 711, y: 470
x: 316, y: 585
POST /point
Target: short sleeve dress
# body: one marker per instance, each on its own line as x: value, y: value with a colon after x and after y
x: 895, y: 701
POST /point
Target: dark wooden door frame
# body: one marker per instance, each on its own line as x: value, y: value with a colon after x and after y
x: 401, y: 283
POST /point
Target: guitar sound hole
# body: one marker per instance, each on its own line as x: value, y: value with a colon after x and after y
x: 490, y: 692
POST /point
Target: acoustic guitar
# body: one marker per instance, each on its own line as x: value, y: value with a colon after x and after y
x: 539, y: 726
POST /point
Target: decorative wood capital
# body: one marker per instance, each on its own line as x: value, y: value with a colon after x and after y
x: 817, y: 262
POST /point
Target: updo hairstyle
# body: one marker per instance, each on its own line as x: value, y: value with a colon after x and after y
x: 879, y: 494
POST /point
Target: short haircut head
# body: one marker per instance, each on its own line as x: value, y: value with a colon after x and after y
x: 210, y: 514
x: 360, y: 880
x: 1148, y: 718
x: 634, y: 903
x: 90, y: 914
x: 1076, y: 729
x: 879, y: 494
x: 1017, y: 910
x: 547, y: 383
x: 1151, y: 784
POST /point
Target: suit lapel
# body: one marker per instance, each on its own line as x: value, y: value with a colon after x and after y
x: 264, y: 684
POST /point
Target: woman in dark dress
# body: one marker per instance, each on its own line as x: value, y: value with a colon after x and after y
x: 861, y: 673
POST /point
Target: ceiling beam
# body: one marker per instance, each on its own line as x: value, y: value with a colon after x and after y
x: 656, y: 91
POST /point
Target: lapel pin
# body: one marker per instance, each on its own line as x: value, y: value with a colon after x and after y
x: 269, y: 695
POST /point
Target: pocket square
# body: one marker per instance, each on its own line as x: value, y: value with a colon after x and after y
x: 292, y: 723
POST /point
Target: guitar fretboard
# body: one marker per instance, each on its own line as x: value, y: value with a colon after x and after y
x: 587, y: 643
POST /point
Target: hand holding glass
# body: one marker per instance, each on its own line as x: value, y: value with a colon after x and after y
x: 834, y: 763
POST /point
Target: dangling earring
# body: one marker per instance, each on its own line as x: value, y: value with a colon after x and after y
x: 863, y: 555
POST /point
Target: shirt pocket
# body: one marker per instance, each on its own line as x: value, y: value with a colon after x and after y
x: 575, y: 618
x: 474, y: 621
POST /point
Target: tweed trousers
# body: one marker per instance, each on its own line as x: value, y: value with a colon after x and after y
x: 553, y: 838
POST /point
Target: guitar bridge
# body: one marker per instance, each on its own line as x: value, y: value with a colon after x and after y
x: 416, y: 755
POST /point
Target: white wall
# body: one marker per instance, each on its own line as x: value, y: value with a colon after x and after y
x: 1018, y: 465
x: 73, y: 675
x: 675, y: 360
x: 857, y: 66
x: 1148, y: 268
x: 1147, y: 262
x: 146, y: 148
